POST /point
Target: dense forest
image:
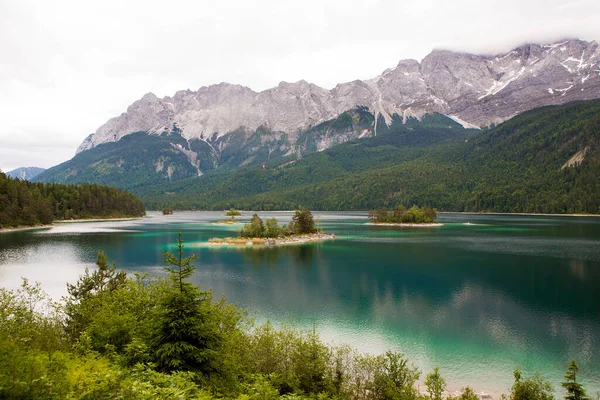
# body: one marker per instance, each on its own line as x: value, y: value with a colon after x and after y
x: 521, y: 165
x: 23, y: 203
x: 119, y: 337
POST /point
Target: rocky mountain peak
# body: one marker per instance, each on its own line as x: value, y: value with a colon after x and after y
x: 477, y: 90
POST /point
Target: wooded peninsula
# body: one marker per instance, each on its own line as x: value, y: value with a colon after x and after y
x: 24, y: 203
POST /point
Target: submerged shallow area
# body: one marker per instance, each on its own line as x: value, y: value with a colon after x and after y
x: 477, y: 296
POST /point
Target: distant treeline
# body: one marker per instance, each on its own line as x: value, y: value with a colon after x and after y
x: 23, y: 203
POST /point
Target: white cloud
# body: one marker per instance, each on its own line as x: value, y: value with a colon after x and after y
x: 67, y: 66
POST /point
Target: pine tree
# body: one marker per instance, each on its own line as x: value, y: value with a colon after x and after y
x: 188, y: 336
x: 574, y: 389
x: 184, y: 268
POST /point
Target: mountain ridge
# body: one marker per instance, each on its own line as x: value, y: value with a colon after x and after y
x: 475, y: 90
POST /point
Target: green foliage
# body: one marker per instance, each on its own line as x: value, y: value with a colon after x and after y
x: 184, y: 268
x: 574, y: 389
x: 89, y: 286
x: 400, y: 214
x: 137, y: 159
x: 435, y: 384
x: 232, y: 212
x: 303, y: 222
x: 23, y: 203
x: 514, y: 167
x: 187, y: 337
x: 466, y: 393
x: 533, y: 388
x: 273, y: 230
x: 393, y: 378
x: 254, y: 229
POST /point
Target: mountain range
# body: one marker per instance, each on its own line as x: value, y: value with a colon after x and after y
x: 477, y: 89
x: 447, y: 98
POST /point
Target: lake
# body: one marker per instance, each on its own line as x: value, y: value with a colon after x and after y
x: 477, y: 296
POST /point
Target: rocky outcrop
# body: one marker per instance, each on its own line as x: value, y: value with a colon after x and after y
x: 25, y: 173
x: 475, y: 90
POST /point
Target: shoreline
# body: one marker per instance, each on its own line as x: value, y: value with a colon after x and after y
x: 408, y: 225
x: 266, y: 242
x: 67, y: 221
x: 25, y: 228
x: 439, y: 212
x: 531, y: 214
x: 227, y: 223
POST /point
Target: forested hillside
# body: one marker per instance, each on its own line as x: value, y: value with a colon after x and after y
x: 23, y: 203
x: 545, y: 160
x: 142, y: 159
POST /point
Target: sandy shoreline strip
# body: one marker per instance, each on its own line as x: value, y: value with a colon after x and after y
x: 25, y: 228
x: 531, y: 214
x: 405, y: 225
x: 68, y: 221
x: 31, y: 228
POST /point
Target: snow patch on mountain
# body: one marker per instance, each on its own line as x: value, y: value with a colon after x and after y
x: 475, y: 89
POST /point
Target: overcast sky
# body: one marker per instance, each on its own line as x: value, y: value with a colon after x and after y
x: 67, y: 66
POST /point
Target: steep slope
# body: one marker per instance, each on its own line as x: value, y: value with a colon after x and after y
x: 545, y: 160
x: 25, y: 173
x: 141, y: 159
x: 475, y: 89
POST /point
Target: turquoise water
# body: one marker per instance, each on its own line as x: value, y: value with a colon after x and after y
x: 477, y: 296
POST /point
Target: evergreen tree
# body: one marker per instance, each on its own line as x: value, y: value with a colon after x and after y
x: 187, y: 337
x: 184, y: 268
x: 574, y: 389
x: 303, y: 222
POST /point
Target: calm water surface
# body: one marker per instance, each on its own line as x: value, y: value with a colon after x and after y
x: 478, y: 296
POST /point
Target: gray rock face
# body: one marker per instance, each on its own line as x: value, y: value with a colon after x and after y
x: 25, y: 173
x: 474, y: 90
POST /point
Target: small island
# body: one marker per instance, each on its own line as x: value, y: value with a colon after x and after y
x: 232, y: 213
x: 401, y: 216
x: 302, y: 229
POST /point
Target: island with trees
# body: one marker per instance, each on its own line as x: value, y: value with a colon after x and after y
x: 401, y: 216
x: 27, y: 204
x: 231, y: 213
x: 257, y: 232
